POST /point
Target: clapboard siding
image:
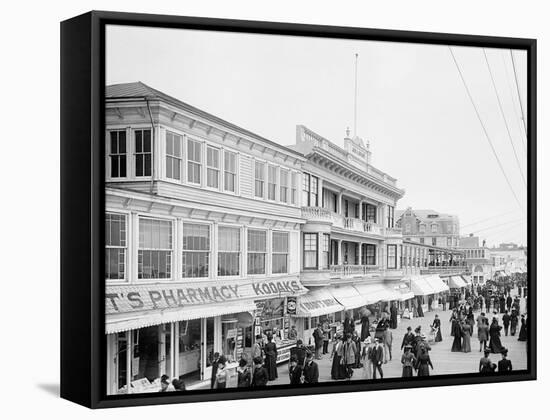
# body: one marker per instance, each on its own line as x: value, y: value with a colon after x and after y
x: 245, y: 176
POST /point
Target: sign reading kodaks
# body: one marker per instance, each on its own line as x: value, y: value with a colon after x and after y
x: 132, y: 298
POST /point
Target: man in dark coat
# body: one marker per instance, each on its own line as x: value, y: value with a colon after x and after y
x: 294, y: 371
x: 393, y: 316
x: 365, y: 326
x: 259, y: 376
x: 408, y: 338
x: 377, y: 358
x: 318, y: 340
x: 215, y: 361
x: 509, y: 301
x: 504, y: 365
x: 349, y: 324
x: 513, y: 322
x: 311, y: 370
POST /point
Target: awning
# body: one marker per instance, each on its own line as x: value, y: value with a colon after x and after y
x: 347, y: 296
x: 427, y: 285
x: 373, y: 293
x: 404, y: 291
x: 437, y: 284
x: 116, y: 324
x: 316, y: 303
x: 456, y: 282
x: 467, y: 279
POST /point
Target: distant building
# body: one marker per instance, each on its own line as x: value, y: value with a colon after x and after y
x: 429, y: 227
x: 509, y: 258
x: 478, y: 259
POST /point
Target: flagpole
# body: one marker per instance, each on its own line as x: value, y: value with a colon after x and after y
x: 355, y: 101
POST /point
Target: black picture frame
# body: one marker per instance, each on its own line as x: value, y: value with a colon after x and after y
x: 82, y: 203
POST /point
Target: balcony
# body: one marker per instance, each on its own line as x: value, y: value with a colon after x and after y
x: 320, y: 214
x: 445, y: 270
x: 351, y: 270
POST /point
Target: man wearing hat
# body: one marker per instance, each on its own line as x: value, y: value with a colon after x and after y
x: 377, y: 358
x: 311, y: 370
x: 504, y: 365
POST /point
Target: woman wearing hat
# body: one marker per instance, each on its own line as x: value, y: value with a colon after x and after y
x: 366, y: 359
x: 494, y: 334
x: 504, y: 365
x: 423, y: 362
x: 337, y: 371
x: 485, y: 364
x: 408, y: 361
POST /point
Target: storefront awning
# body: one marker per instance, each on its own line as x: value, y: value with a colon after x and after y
x: 373, y: 293
x: 437, y: 284
x: 116, y: 324
x: 347, y: 296
x: 467, y: 279
x: 318, y: 302
x: 456, y: 282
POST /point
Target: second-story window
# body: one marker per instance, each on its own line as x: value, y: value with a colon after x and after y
x: 314, y: 191
x: 229, y: 170
x: 271, y: 182
x: 173, y: 155
x: 196, y: 250
x: 283, y: 193
x: 422, y: 228
x: 325, y: 251
x: 155, y: 249
x: 229, y: 251
x: 434, y: 241
x: 279, y: 253
x: 259, y: 178
x: 434, y: 228
x: 449, y: 241
x: 310, y: 193
x: 115, y: 246
x: 422, y: 240
x: 256, y: 251
x: 392, y: 256
x: 293, y: 188
x: 369, y: 254
x: 143, y: 152
x: 212, y: 167
x: 194, y: 153
x: 370, y: 213
x: 118, y: 154
x: 407, y: 228
x: 390, y: 217
x: 310, y: 250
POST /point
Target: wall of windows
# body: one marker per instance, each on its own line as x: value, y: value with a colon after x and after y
x: 279, y: 249
x: 155, y: 249
x: 115, y: 246
x: 257, y: 249
x: 196, y: 250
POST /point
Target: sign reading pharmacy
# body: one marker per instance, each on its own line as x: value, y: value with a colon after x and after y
x: 132, y: 298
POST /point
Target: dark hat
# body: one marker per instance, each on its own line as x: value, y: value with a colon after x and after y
x: 258, y: 361
x: 504, y: 352
x: 487, y: 351
x: 409, y: 328
x: 309, y: 354
x: 417, y: 329
x: 408, y: 347
x: 299, y: 341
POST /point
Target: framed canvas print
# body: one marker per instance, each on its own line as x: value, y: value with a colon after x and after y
x: 255, y: 209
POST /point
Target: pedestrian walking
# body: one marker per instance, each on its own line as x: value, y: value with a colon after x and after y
x: 349, y: 324
x: 436, y: 325
x: 466, y: 334
x: 393, y: 316
x: 365, y: 325
x: 408, y: 338
x: 259, y: 376
x: 318, y: 340
x: 456, y: 332
x: 494, y: 337
x: 348, y: 356
x: 387, y: 341
x: 326, y: 336
x: 509, y: 301
x: 506, y: 322
x: 504, y: 365
x: 258, y: 349
x: 483, y: 334
x: 311, y: 370
x: 271, y: 358
x: 423, y: 362
x: 523, y: 329
x: 377, y: 358
x: 366, y: 358
x: 408, y: 361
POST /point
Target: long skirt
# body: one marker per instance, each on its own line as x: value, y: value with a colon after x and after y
x: 423, y: 370
x: 438, y: 336
x: 466, y: 347
x: 522, y: 333
x: 457, y: 344
x: 271, y: 366
x: 338, y: 371
x: 407, y: 372
x: 495, y: 345
x: 367, y: 369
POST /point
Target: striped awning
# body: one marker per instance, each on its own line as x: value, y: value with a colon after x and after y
x: 116, y: 324
x: 437, y: 284
x: 427, y: 285
x: 373, y: 293
x: 347, y: 296
x: 456, y: 282
x: 316, y: 303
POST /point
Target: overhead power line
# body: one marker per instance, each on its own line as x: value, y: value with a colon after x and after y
x: 485, y: 129
x: 503, y: 115
x: 522, y: 220
x: 518, y: 118
x: 519, y: 96
x: 486, y: 219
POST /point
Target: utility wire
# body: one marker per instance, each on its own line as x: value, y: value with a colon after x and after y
x: 484, y: 129
x: 507, y: 229
x: 503, y: 115
x: 488, y: 218
x: 518, y: 118
x: 519, y: 96
x: 522, y: 220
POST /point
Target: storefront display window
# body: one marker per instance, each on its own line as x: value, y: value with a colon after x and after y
x: 189, y: 346
x: 229, y: 339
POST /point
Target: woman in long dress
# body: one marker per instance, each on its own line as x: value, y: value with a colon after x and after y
x: 466, y: 334
x: 437, y: 327
x: 271, y: 359
x: 494, y: 334
x: 523, y: 329
x: 337, y: 350
x: 408, y: 361
x: 424, y: 363
x: 366, y: 359
x: 456, y: 332
x: 485, y: 364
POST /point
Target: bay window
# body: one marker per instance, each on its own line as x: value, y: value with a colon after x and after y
x: 173, y: 155
x: 325, y: 251
x: 212, y: 167
x: 155, y: 249
x: 115, y: 246
x: 194, y: 153
x: 310, y: 250
x: 229, y: 251
x: 230, y: 171
x: 279, y: 250
x: 196, y: 250
x: 143, y: 152
x: 117, y: 154
x: 257, y: 243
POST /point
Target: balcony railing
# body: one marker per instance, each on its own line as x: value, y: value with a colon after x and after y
x: 349, y: 223
x: 352, y: 270
x: 446, y: 269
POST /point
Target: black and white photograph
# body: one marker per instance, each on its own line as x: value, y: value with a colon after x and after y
x: 291, y: 211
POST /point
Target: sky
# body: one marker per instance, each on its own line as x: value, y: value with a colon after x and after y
x: 412, y: 108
